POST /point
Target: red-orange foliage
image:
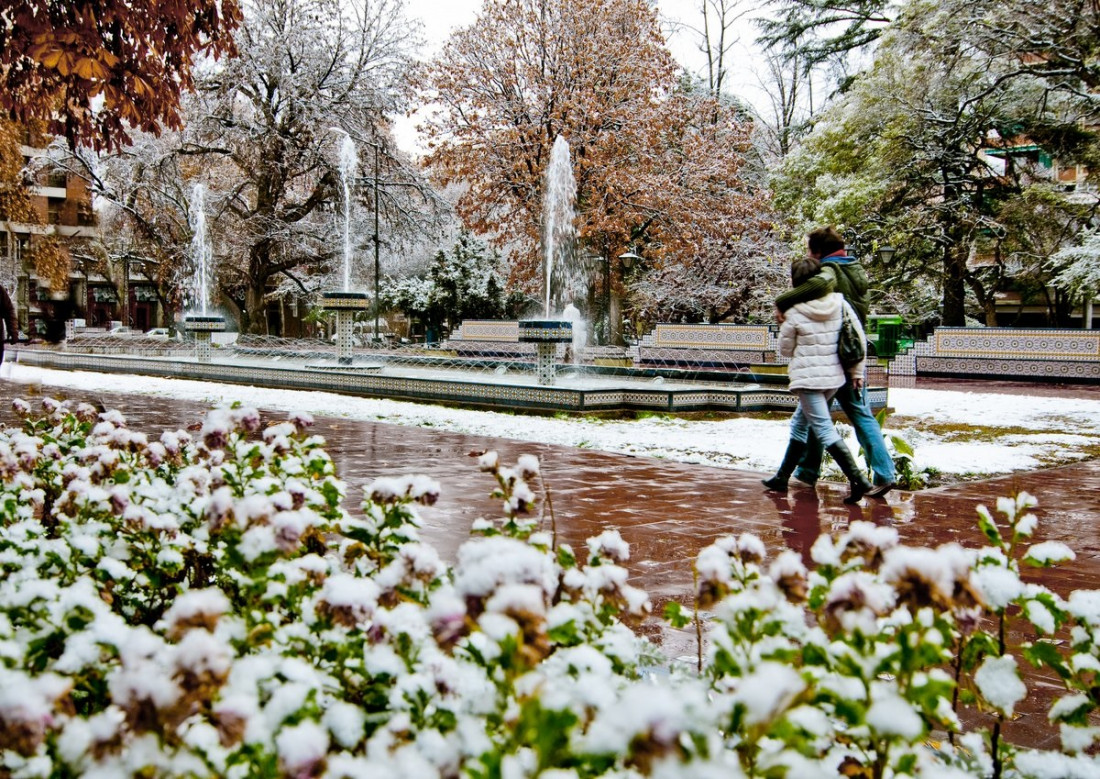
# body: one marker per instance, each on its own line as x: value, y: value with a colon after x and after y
x: 655, y: 163
x: 93, y: 68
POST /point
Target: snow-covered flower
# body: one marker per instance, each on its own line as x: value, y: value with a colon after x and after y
x: 609, y: 545
x: 527, y: 466
x: 348, y: 600
x: 387, y: 490
x: 302, y: 749
x: 488, y: 461
x: 195, y: 609
x: 930, y: 577
x: 301, y: 420
x: 790, y: 575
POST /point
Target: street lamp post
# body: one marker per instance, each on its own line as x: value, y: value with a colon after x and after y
x: 127, y: 314
x: 614, y: 307
x: 377, y: 270
x: 607, y: 298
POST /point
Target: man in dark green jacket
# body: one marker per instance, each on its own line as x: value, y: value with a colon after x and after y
x: 842, y: 273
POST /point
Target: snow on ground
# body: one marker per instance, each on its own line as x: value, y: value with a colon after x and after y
x: 1048, y: 429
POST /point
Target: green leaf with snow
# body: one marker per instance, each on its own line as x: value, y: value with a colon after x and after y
x: 1048, y: 553
x: 988, y: 526
x: 1046, y: 654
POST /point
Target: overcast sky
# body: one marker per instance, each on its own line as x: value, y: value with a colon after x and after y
x: 440, y: 17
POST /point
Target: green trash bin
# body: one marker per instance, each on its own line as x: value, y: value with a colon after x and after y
x: 888, y: 335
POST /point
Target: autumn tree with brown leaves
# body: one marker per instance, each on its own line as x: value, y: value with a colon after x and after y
x: 659, y: 168
x: 15, y: 198
x: 59, y: 58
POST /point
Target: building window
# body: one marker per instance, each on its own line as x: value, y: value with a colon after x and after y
x: 104, y: 295
x: 85, y: 217
x: 53, y: 210
x: 57, y: 178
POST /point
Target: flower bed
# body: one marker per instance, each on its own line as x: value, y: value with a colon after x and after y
x: 205, y: 606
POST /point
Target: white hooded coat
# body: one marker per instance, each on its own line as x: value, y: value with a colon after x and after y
x: 808, y: 336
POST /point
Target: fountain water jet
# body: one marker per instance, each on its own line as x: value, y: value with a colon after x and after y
x: 201, y: 323
x: 559, y: 238
x: 345, y: 302
x: 580, y: 337
x: 564, y: 279
x: 349, y: 162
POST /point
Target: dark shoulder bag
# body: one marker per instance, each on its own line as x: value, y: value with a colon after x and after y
x: 850, y: 347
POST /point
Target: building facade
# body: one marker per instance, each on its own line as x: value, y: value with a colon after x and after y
x: 98, y: 292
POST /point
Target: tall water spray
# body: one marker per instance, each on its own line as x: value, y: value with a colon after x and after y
x: 562, y: 274
x: 349, y: 164
x: 201, y: 254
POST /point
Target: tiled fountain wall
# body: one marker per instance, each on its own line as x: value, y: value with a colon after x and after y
x: 1004, y: 353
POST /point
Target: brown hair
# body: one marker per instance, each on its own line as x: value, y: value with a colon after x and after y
x: 803, y: 268
x: 824, y: 241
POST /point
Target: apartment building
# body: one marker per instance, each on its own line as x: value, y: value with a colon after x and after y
x: 63, y: 205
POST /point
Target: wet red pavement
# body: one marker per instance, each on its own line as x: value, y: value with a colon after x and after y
x: 667, y: 511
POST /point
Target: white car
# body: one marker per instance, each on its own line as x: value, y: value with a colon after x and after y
x: 159, y: 333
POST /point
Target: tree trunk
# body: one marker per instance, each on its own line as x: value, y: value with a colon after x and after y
x: 253, y: 318
x: 615, y: 318
x: 954, y: 285
x: 990, y: 307
x: 987, y: 299
x: 253, y: 315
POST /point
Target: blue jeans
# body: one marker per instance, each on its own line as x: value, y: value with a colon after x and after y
x: 868, y: 433
x: 812, y: 421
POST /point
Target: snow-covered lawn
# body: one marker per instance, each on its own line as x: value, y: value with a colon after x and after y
x: 954, y: 434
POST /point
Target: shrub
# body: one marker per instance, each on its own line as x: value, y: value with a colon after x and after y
x: 205, y: 606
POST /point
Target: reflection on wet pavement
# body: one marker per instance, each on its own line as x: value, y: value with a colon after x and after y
x: 668, y: 511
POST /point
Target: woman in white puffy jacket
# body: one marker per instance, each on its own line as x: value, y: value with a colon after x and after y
x: 809, y: 336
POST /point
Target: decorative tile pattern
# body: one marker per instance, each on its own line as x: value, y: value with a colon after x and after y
x: 1002, y: 352
x: 505, y: 349
x: 344, y: 327
x: 195, y: 323
x: 547, y: 368
x: 488, y: 330
x: 545, y: 331
x: 764, y: 400
x: 712, y: 336
x: 703, y: 357
x: 1016, y: 344
x: 1048, y: 370
x: 345, y: 301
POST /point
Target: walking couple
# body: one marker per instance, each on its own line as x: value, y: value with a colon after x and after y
x: 810, y: 315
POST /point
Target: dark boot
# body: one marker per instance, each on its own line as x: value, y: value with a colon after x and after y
x: 795, y: 450
x: 859, y: 486
x: 880, y: 490
x: 809, y: 467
